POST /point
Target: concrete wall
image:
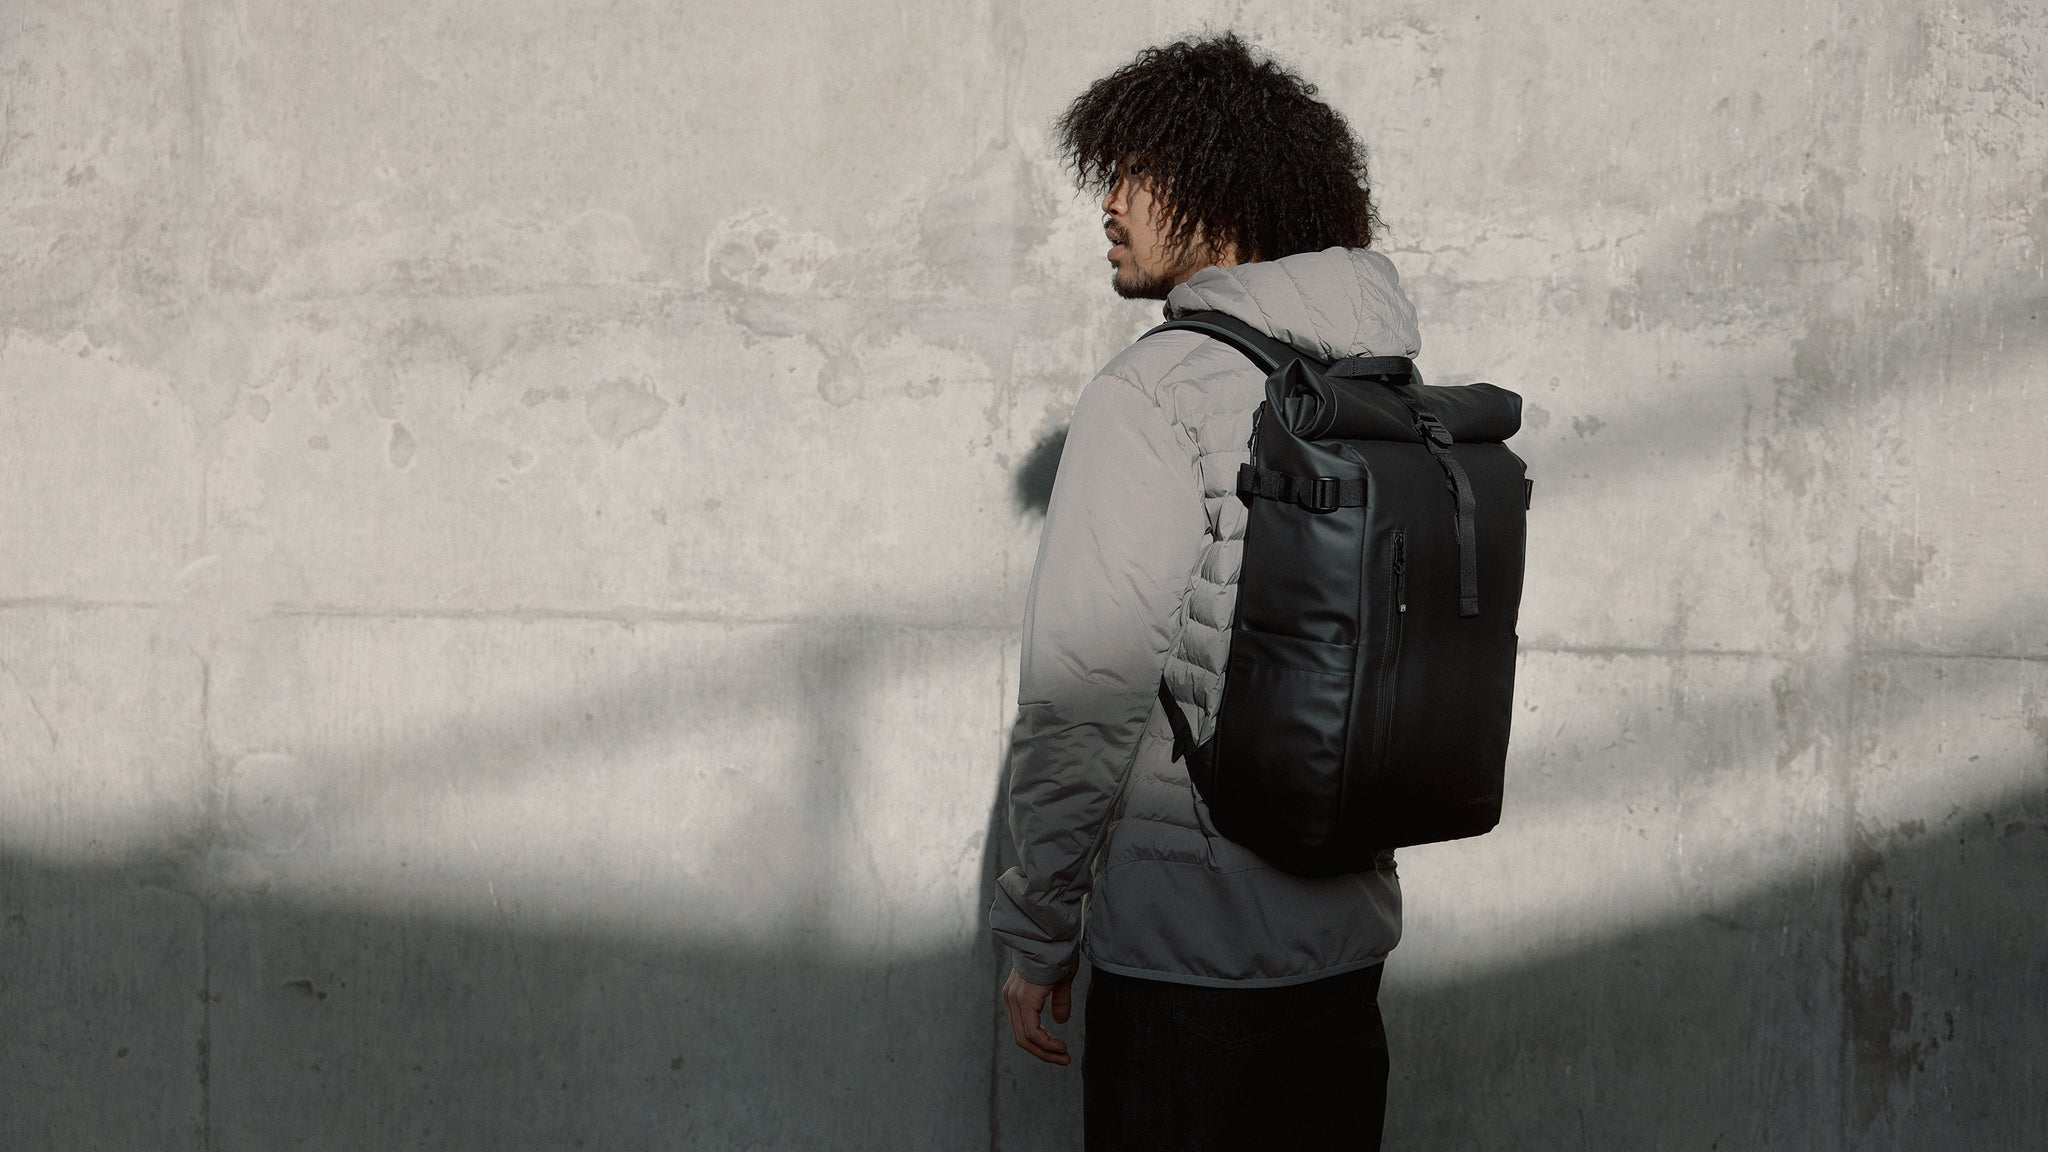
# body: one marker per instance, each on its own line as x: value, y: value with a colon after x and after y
x: 515, y: 519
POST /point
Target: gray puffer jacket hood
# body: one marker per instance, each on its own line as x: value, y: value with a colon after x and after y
x: 1330, y: 304
x: 1137, y: 579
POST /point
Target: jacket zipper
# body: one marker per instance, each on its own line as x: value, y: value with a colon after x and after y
x: 1390, y: 651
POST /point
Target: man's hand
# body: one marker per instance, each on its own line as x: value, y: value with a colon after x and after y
x: 1024, y: 1000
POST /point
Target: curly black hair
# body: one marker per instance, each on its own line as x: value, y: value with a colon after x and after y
x: 1238, y: 148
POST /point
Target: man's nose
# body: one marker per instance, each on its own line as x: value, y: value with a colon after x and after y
x: 1112, y: 200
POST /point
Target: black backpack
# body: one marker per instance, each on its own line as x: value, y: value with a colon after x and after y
x: 1372, y: 659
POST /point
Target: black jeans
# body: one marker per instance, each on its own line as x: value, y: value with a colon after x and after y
x: 1180, y: 1068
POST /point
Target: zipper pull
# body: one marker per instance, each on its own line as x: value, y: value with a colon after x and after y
x: 1401, y: 571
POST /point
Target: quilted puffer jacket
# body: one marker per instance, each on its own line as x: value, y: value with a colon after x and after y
x: 1136, y: 576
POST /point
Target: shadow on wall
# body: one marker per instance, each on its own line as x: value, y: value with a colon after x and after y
x: 1917, y: 1022
x: 287, y: 1026
x: 1899, y: 1002
x: 1916, y: 1019
x: 1032, y: 488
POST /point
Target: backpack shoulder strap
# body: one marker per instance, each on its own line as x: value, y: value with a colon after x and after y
x: 1260, y: 348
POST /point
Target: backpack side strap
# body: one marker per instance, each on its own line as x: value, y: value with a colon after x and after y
x: 1200, y: 758
x: 1315, y: 493
x: 1183, y: 736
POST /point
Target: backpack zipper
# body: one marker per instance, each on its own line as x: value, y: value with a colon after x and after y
x: 1390, y: 651
x: 1400, y: 569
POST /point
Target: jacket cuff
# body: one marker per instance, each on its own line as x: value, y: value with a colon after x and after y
x: 1039, y: 972
x: 1042, y: 955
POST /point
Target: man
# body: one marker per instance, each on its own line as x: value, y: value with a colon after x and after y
x: 1231, y: 1005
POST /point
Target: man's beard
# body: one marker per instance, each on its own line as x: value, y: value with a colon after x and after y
x: 1141, y: 286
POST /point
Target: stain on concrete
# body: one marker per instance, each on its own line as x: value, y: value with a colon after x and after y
x: 2034, y: 714
x: 1792, y: 701
x: 215, y: 371
x: 759, y: 253
x: 1586, y: 426
x: 840, y: 380
x: 245, y: 252
x: 969, y: 239
x: 620, y: 409
x: 307, y: 989
x: 1890, y: 1034
x: 401, y: 447
x: 978, y: 226
x: 1825, y: 371
x: 1891, y: 566
x: 418, y: 352
x: 1747, y: 263
x: 779, y: 282
x: 271, y: 801
x: 1794, y: 455
x: 604, y: 246
x: 324, y: 394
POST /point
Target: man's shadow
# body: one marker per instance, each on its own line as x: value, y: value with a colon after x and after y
x: 1032, y: 488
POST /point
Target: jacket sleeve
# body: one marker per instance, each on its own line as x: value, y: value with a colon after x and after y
x: 1122, y: 534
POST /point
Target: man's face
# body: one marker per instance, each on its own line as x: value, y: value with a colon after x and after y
x: 1134, y: 220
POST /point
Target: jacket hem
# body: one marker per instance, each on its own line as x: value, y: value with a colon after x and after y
x: 1227, y: 982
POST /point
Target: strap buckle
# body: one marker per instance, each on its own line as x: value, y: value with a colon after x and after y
x: 1323, y: 494
x: 1431, y: 428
